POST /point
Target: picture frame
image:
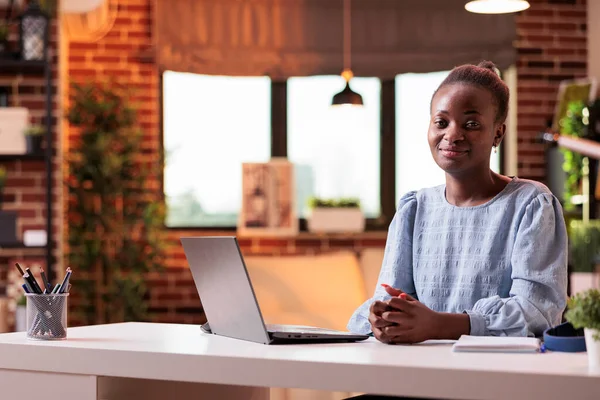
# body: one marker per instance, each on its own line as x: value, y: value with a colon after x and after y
x: 268, y: 199
x: 582, y: 89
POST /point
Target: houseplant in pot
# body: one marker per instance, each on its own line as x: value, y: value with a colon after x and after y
x: 335, y: 215
x: 4, y: 39
x: 583, y: 311
x: 34, y: 135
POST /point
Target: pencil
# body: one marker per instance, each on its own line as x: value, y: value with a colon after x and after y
x: 19, y: 268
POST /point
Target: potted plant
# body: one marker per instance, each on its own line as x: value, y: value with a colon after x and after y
x: 3, y: 39
x: 583, y: 311
x: 21, y: 315
x: 335, y: 215
x: 34, y: 135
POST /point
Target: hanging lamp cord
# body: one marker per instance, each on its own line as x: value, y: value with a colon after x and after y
x: 347, y: 73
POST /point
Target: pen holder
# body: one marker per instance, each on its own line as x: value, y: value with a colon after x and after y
x: 47, y: 316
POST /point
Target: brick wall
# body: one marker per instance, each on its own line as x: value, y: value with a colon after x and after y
x: 551, y: 47
x: 25, y: 190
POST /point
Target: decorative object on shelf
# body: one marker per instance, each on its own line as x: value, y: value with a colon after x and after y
x: 8, y: 219
x: 335, y: 216
x: 268, y: 199
x: 4, y: 31
x: 34, y: 137
x: 347, y: 97
x: 496, y: 6
x: 571, y: 91
x: 583, y: 311
x: 13, y: 121
x: 115, y: 218
x: 35, y: 238
x: 34, y: 32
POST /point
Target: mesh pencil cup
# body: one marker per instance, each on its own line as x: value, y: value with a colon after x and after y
x: 47, y: 316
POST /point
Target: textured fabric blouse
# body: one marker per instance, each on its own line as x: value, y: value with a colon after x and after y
x: 503, y: 262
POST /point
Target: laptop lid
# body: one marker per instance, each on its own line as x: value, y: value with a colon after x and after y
x: 224, y: 287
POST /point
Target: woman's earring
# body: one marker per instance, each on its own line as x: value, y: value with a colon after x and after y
x: 495, y: 149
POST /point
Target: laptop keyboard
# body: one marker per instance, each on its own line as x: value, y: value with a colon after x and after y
x: 299, y: 329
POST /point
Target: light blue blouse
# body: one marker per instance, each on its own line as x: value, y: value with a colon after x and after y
x: 503, y: 262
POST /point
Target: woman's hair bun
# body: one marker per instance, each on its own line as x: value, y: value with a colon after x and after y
x: 489, y: 65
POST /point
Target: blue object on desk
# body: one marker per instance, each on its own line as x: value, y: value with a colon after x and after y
x: 564, y: 337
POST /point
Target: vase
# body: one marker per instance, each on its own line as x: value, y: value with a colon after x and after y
x: 593, y: 348
x: 336, y: 220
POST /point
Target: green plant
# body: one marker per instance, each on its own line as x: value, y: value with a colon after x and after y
x: 21, y: 301
x: 3, y: 32
x: 583, y: 311
x: 350, y: 202
x: 115, y: 221
x: 2, y: 177
x: 584, y: 245
x: 573, y: 124
x: 34, y: 130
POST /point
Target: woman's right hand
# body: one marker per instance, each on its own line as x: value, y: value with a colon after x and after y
x: 379, y: 307
x: 377, y: 322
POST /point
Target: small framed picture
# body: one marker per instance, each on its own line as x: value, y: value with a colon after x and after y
x: 268, y: 199
x: 583, y: 89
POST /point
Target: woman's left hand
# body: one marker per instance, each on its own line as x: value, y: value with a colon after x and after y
x: 413, y: 321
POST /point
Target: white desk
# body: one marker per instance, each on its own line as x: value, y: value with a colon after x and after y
x: 159, y: 361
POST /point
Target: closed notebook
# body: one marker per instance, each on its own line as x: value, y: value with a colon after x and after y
x: 499, y: 344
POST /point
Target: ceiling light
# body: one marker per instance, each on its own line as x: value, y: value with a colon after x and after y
x: 496, y: 6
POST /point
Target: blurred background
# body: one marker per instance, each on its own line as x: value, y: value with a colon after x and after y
x: 296, y: 125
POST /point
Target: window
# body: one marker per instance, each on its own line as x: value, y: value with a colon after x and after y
x: 211, y: 125
x: 335, y: 150
x: 415, y: 167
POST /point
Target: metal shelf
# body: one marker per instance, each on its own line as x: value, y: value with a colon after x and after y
x: 24, y: 157
x: 18, y: 245
x: 13, y: 66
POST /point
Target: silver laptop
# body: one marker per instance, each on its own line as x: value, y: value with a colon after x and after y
x: 229, y: 300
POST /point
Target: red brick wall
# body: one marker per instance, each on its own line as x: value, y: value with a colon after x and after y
x: 25, y: 190
x: 551, y: 47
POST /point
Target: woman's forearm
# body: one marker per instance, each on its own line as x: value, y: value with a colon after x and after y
x: 452, y: 326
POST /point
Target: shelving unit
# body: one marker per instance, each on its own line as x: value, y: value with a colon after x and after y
x: 15, y: 67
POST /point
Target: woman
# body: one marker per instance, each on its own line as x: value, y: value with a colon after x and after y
x: 484, y: 254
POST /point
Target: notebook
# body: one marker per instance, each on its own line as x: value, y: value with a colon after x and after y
x: 498, y: 344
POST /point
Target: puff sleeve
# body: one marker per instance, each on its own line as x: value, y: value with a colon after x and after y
x: 396, y: 269
x: 538, y: 292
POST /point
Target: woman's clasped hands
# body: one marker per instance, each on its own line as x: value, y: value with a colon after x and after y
x: 403, y: 319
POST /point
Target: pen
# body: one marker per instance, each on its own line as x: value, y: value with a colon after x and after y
x: 25, y: 288
x: 45, y: 280
x: 33, y: 282
x: 63, y: 285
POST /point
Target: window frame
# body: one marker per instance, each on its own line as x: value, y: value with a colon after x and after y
x: 387, y: 159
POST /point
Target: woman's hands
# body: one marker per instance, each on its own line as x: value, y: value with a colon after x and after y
x: 403, y: 319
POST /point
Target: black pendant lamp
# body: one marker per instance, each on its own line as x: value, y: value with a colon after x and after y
x: 347, y: 97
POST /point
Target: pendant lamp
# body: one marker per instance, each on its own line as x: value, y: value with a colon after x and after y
x: 347, y: 97
x: 496, y: 6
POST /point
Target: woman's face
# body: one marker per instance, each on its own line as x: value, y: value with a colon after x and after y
x: 463, y: 128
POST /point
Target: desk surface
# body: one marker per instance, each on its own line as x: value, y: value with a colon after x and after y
x: 184, y: 353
